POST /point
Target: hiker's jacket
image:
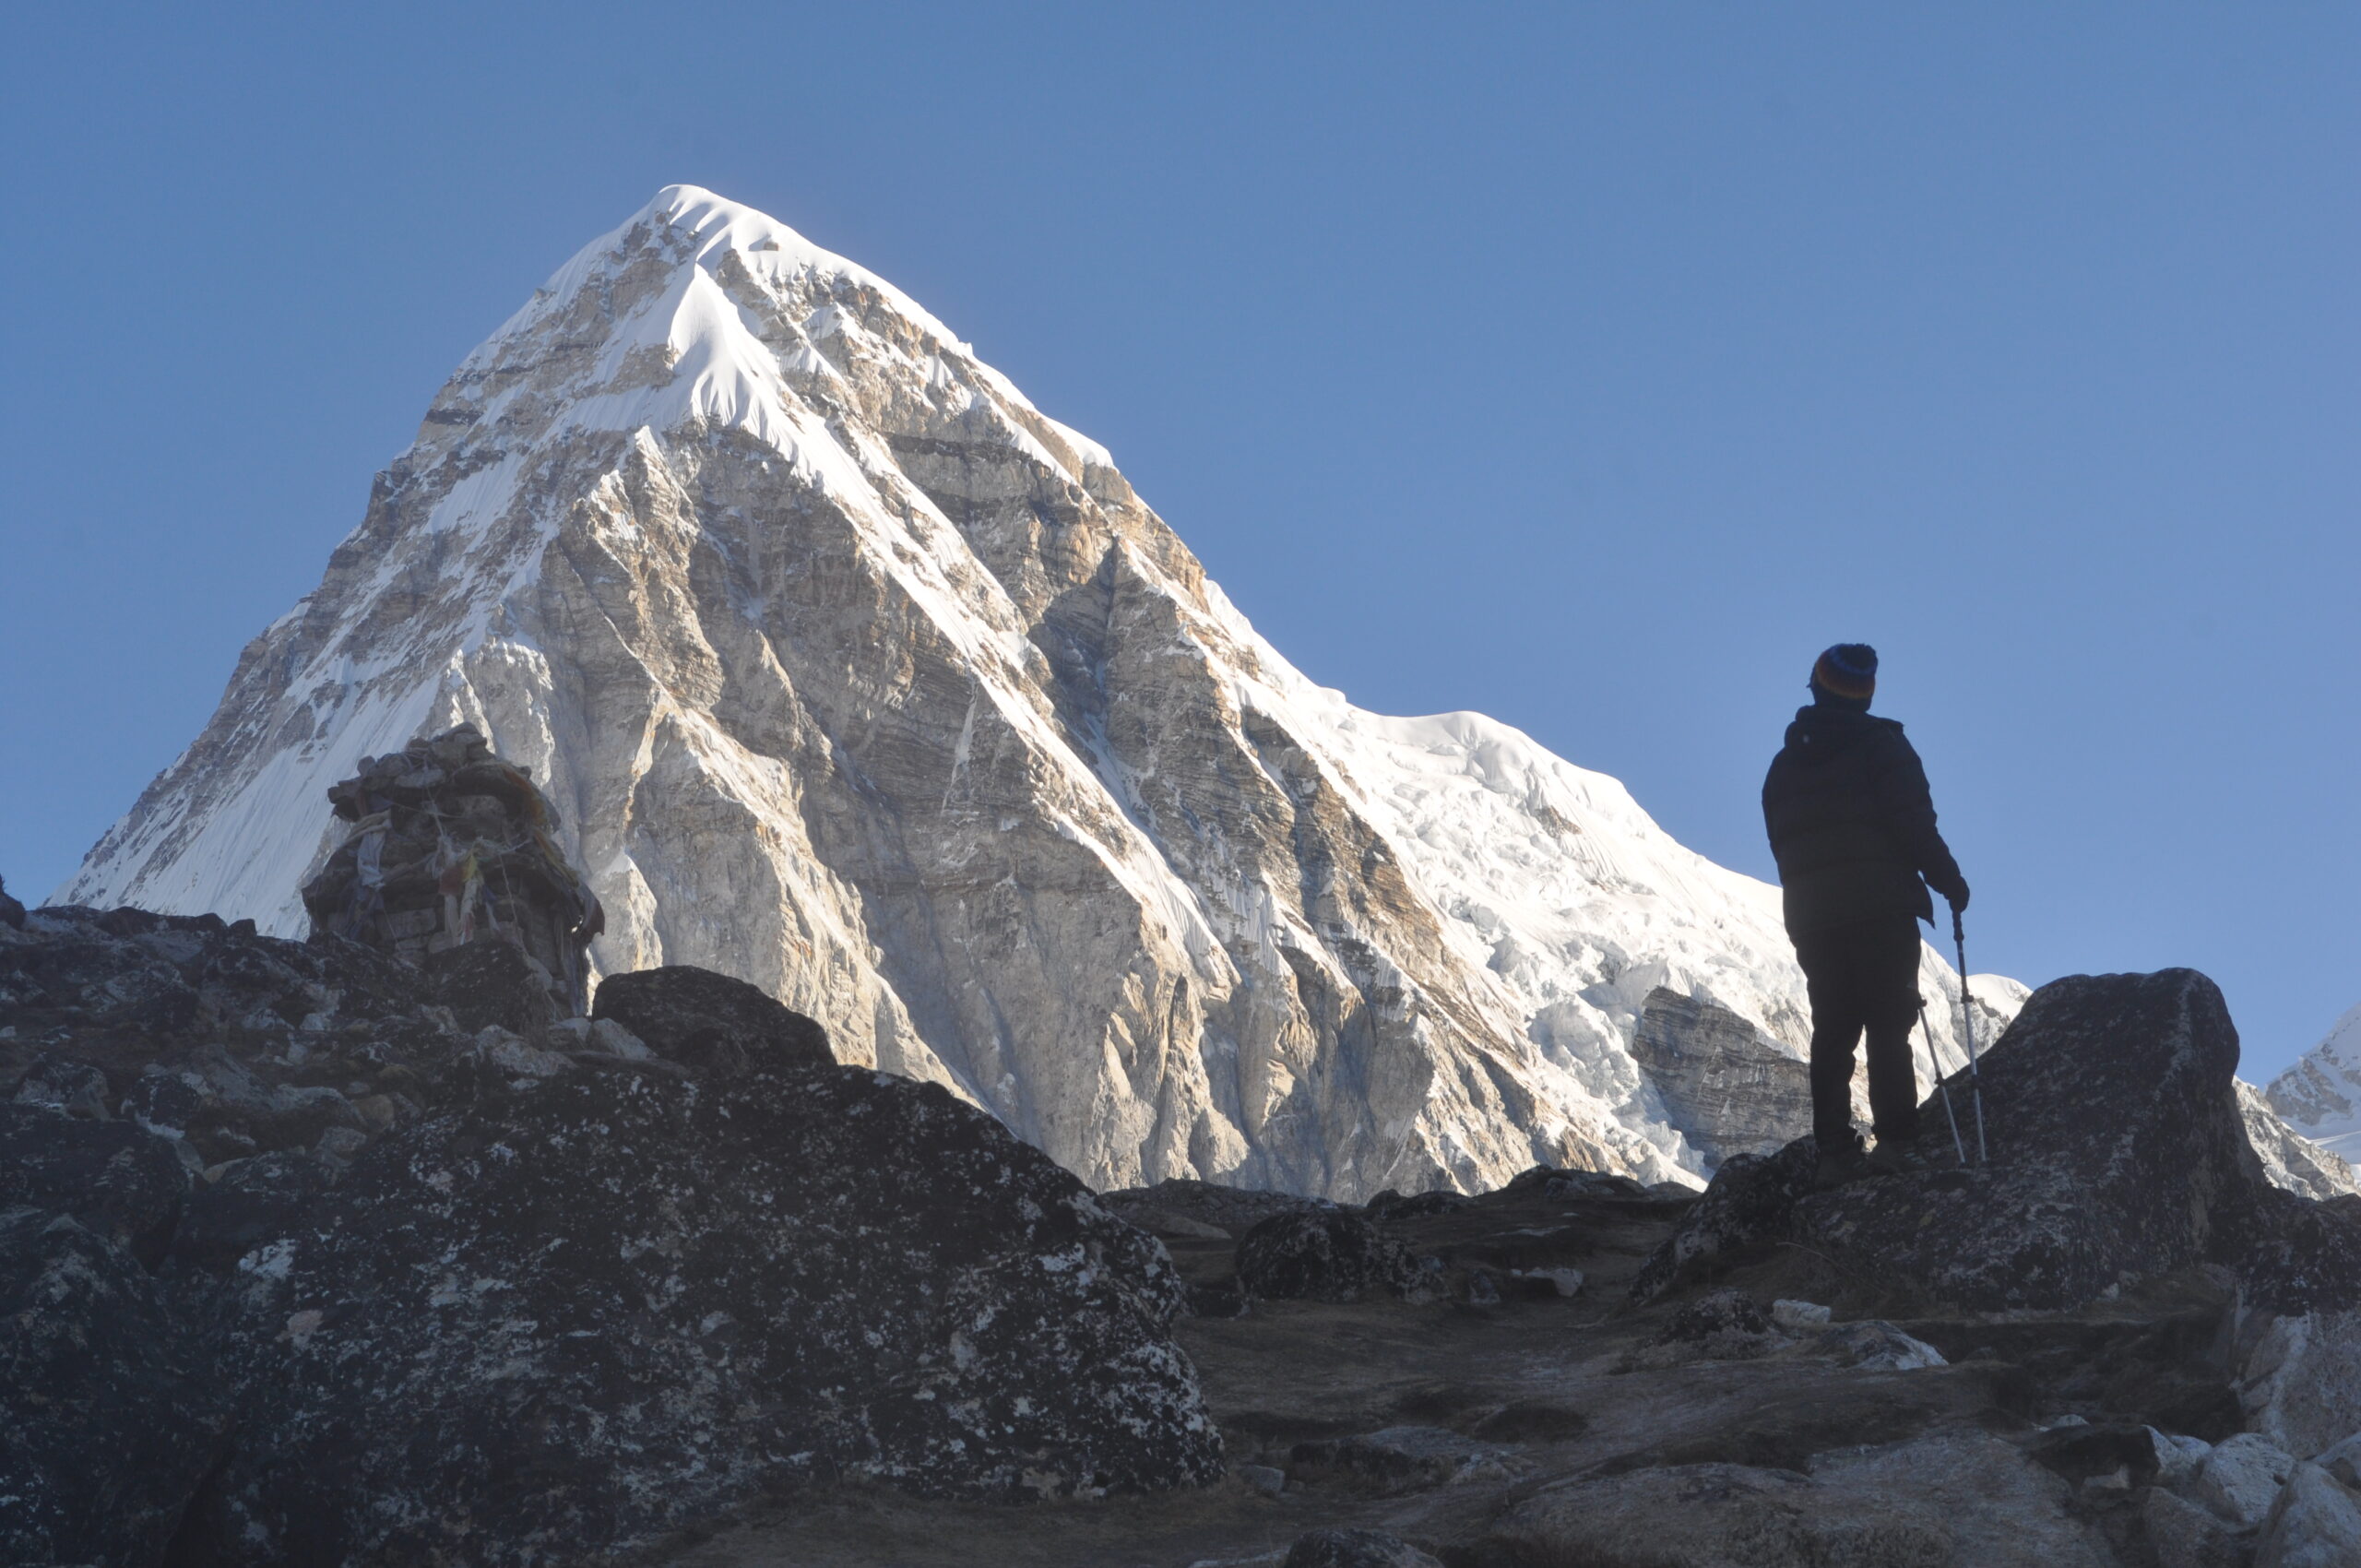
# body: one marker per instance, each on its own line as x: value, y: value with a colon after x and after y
x: 1851, y: 823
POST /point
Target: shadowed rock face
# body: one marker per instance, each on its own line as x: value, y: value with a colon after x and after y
x: 626, y: 1299
x: 572, y: 1293
x: 113, y: 1415
x: 2118, y: 1149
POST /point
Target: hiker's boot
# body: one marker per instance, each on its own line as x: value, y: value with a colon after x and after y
x: 1842, y: 1162
x: 1902, y: 1157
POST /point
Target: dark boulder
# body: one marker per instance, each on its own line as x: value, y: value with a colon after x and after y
x: 113, y: 1416
x: 1750, y: 1205
x: 12, y: 914
x: 711, y: 1021
x: 584, y: 1313
x: 123, y: 1182
x: 1323, y: 1256
x: 2117, y: 1151
x: 228, y: 1043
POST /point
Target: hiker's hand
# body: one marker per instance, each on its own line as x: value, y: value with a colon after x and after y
x: 1954, y: 893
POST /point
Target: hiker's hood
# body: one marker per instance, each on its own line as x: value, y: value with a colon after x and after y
x: 1823, y: 730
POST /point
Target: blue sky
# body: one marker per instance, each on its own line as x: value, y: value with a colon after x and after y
x: 1588, y: 365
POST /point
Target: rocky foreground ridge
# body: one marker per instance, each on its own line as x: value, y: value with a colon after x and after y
x: 308, y: 1256
x: 852, y: 674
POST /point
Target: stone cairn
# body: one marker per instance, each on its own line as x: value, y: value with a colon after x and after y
x: 451, y: 846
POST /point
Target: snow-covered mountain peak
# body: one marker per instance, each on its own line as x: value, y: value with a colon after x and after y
x: 853, y: 674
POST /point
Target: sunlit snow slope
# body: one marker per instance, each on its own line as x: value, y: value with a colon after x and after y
x: 855, y: 675
x: 2320, y: 1095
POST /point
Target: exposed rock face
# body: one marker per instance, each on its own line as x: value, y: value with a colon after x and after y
x: 2120, y: 1150
x: 111, y: 1415
x: 854, y: 676
x: 2299, y: 1377
x: 2290, y: 1159
x: 1727, y: 1088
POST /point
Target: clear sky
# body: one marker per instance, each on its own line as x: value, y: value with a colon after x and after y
x: 1588, y: 365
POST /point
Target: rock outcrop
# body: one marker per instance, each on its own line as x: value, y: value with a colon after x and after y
x: 853, y: 675
x: 500, y: 1297
x: 2120, y: 1151
x: 824, y: 1275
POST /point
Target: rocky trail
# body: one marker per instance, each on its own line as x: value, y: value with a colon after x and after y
x: 1498, y: 1422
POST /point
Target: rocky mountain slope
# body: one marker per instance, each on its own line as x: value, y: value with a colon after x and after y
x: 2320, y: 1095
x: 854, y: 676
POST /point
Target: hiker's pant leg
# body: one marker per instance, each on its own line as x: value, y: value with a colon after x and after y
x: 1837, y: 1023
x: 1890, y: 1005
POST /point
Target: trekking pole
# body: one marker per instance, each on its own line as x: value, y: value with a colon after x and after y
x: 1941, y: 1083
x: 1968, y: 1021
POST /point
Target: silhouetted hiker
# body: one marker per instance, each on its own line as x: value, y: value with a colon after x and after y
x: 1852, y: 828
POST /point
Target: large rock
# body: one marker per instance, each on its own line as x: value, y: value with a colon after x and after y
x: 1323, y: 1256
x: 2299, y: 1377
x: 710, y: 1020
x: 2314, y: 1523
x: 63, y: 1083
x: 581, y: 1314
x: 251, y: 1204
x: 2118, y: 1149
x: 113, y: 1416
x: 2240, y: 1476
